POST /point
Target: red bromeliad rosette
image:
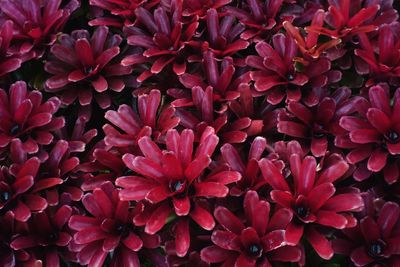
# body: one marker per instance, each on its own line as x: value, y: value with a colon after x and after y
x: 232, y: 133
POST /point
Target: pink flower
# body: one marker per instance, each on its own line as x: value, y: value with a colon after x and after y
x: 381, y: 59
x: 317, y: 126
x: 15, y: 190
x: 174, y: 179
x: 258, y: 16
x: 8, y: 230
x: 223, y: 35
x: 275, y: 66
x: 259, y: 240
x: 107, y: 228
x: 128, y: 126
x: 45, y: 235
x: 84, y: 67
x: 375, y: 240
x: 309, y: 45
x: 222, y: 75
x: 312, y: 199
x: 373, y: 136
x: 25, y: 117
x: 55, y: 175
x: 347, y: 20
x: 36, y: 23
x: 163, y: 35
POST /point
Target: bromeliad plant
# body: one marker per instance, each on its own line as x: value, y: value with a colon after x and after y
x: 174, y: 181
x: 254, y: 133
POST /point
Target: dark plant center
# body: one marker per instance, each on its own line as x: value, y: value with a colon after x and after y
x: 177, y: 186
x: 254, y: 250
x: 128, y: 172
x: 88, y: 70
x: 5, y: 196
x: 302, y: 211
x: 4, y: 246
x: 318, y: 135
x: 290, y: 77
x: 384, y: 146
x: 376, y: 249
x: 15, y: 129
x: 25, y: 136
x: 180, y: 60
x: 122, y: 229
x: 53, y: 236
x: 392, y: 137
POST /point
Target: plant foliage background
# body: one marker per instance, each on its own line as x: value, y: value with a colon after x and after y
x: 199, y: 133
